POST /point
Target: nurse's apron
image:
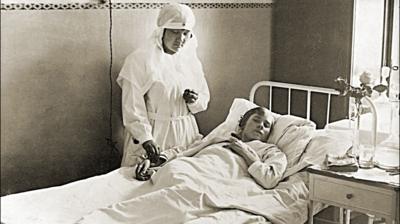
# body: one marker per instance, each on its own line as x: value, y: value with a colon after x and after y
x: 167, y: 133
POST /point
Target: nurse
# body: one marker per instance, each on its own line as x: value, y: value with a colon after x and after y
x: 163, y: 85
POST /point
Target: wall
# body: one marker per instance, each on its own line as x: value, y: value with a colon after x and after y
x: 55, y: 81
x: 312, y: 45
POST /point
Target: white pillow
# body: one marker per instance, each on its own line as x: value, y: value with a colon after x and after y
x: 316, y: 151
x: 290, y: 133
x: 238, y: 108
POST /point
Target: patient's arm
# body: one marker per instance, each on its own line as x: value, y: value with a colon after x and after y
x: 143, y: 170
x: 270, y: 169
x: 197, y: 148
x: 266, y: 169
x: 242, y: 149
x: 175, y: 152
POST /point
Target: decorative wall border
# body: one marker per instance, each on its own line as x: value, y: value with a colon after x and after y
x: 81, y: 6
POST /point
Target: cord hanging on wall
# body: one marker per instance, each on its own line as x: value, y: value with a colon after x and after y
x: 110, y: 142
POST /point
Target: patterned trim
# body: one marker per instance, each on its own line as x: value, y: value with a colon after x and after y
x: 77, y: 6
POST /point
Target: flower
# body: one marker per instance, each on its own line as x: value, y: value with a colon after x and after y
x: 364, y: 90
x: 345, y: 89
x: 366, y: 78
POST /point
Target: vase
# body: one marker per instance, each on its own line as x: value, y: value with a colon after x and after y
x: 366, y: 151
x: 355, y: 127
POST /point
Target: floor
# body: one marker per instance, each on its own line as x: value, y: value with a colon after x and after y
x: 330, y: 215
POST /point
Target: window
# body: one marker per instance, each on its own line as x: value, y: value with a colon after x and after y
x: 376, y: 50
x: 376, y: 39
x: 367, y: 39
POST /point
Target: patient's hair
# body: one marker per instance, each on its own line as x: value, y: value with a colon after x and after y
x: 257, y: 110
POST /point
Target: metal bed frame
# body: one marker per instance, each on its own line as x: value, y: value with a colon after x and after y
x: 290, y: 87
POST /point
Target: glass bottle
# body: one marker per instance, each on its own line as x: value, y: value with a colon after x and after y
x: 355, y: 126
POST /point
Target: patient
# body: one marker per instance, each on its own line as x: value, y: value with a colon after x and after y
x: 265, y: 162
x: 237, y: 179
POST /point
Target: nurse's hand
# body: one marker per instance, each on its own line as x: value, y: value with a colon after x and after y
x: 151, y: 148
x: 190, y: 96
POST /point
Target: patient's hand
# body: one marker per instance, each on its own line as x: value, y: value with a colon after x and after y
x: 151, y: 148
x: 159, y: 161
x: 243, y: 150
x: 143, y: 171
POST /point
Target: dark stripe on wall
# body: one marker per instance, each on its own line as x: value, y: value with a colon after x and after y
x: 79, y: 6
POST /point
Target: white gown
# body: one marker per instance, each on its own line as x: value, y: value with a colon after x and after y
x: 152, y: 85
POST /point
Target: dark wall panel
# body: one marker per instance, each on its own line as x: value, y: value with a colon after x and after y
x: 312, y: 44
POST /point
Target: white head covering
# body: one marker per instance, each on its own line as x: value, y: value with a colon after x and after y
x: 176, y: 16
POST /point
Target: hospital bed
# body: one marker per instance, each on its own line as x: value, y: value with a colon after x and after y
x: 70, y: 202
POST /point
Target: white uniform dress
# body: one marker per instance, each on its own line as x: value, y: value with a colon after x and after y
x: 153, y: 107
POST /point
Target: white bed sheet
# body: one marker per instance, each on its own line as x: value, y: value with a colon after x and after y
x: 67, y: 203
x: 205, y: 188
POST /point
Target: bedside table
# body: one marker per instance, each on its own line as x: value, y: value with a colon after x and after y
x: 370, y: 191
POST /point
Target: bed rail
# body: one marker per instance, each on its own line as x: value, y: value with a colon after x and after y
x: 290, y: 87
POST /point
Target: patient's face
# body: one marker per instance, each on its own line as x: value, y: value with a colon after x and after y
x: 257, y: 127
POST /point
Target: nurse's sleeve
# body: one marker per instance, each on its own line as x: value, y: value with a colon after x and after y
x: 134, y: 86
x: 201, y: 103
x: 270, y: 169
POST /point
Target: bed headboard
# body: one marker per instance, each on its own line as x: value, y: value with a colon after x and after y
x: 309, y: 89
